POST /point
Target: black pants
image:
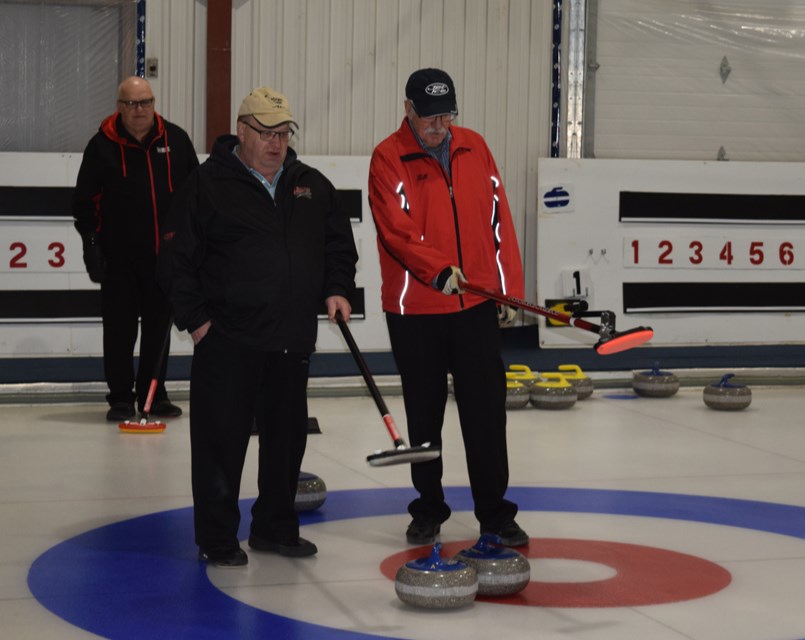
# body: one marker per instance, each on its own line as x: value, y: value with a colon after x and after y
x: 130, y: 293
x: 467, y: 344
x: 230, y: 387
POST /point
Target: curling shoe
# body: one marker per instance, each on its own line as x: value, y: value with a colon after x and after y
x: 510, y: 534
x: 225, y: 558
x: 298, y: 548
x: 165, y: 409
x: 120, y: 411
x: 422, y: 531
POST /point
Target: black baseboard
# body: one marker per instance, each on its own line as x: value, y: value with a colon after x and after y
x: 520, y: 346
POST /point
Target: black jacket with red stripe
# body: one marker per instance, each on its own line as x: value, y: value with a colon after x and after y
x: 124, y: 187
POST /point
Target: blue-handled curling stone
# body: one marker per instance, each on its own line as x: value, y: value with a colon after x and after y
x: 436, y: 583
x: 655, y: 383
x: 501, y: 571
x: 726, y: 395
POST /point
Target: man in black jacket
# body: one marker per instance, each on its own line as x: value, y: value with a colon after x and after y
x: 128, y: 174
x: 257, y: 241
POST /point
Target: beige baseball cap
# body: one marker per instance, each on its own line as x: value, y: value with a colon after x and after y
x: 270, y: 108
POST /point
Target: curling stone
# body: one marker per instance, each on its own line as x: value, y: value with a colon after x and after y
x: 436, y: 583
x: 522, y: 373
x: 516, y: 394
x: 574, y: 375
x: 655, y: 383
x: 727, y: 396
x: 501, y: 571
x: 554, y: 392
x: 310, y: 492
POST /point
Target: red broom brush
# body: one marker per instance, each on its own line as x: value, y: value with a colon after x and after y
x: 144, y: 425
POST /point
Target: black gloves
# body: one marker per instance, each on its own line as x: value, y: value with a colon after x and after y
x: 449, y: 281
x: 94, y: 260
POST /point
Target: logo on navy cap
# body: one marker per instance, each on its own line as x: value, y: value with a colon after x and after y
x: 437, y: 89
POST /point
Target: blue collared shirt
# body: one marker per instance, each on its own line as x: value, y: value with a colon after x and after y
x: 441, y: 153
x: 271, y: 187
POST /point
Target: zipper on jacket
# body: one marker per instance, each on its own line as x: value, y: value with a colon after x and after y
x: 449, y: 183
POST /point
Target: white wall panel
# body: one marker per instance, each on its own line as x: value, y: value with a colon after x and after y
x: 659, y: 92
x: 175, y: 34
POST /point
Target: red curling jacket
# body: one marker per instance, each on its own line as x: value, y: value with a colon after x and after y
x: 427, y: 221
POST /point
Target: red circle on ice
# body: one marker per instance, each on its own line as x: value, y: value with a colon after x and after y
x: 644, y: 575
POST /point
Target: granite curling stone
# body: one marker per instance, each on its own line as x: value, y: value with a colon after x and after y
x: 727, y: 396
x: 516, y: 394
x: 501, y: 571
x: 436, y: 583
x: 575, y: 376
x: 655, y: 383
x: 554, y: 392
x: 311, y: 492
x: 522, y: 373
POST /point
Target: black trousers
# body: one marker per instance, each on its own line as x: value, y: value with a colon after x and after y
x: 231, y: 386
x: 468, y: 345
x: 130, y: 293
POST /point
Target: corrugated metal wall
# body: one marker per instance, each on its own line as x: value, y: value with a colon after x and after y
x: 660, y: 92
x: 343, y: 65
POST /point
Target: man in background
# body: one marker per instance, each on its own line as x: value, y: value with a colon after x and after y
x: 129, y: 172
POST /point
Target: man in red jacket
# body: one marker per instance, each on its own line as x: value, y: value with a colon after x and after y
x: 441, y: 212
x: 128, y: 174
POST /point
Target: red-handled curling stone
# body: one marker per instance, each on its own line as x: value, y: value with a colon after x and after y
x: 655, y: 383
x: 516, y: 394
x: 436, y: 583
x: 311, y: 492
x: 727, y: 396
x: 574, y: 375
x: 554, y: 392
x: 501, y: 571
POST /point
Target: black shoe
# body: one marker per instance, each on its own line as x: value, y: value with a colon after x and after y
x: 120, y: 411
x: 224, y: 557
x: 510, y: 534
x: 422, y: 531
x: 165, y: 409
x: 299, y: 548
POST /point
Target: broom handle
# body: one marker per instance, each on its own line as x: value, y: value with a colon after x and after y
x: 158, y: 368
x: 367, y: 376
x: 533, y: 308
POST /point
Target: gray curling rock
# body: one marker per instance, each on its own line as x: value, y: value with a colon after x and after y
x: 501, y: 571
x: 583, y: 385
x: 516, y: 394
x: 436, y: 583
x: 655, y: 383
x: 727, y: 396
x: 553, y: 393
x: 311, y: 492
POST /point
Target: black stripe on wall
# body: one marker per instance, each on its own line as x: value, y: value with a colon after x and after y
x: 713, y: 297
x: 639, y: 206
x: 57, y: 202
x: 85, y: 304
x: 50, y: 305
x: 36, y: 201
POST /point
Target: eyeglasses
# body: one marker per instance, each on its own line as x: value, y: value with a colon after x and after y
x: 270, y: 134
x: 447, y: 118
x: 133, y: 104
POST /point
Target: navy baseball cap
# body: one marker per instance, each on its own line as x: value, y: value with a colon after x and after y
x: 432, y: 92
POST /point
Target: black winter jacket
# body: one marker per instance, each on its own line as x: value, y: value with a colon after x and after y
x: 124, y: 187
x: 258, y: 268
